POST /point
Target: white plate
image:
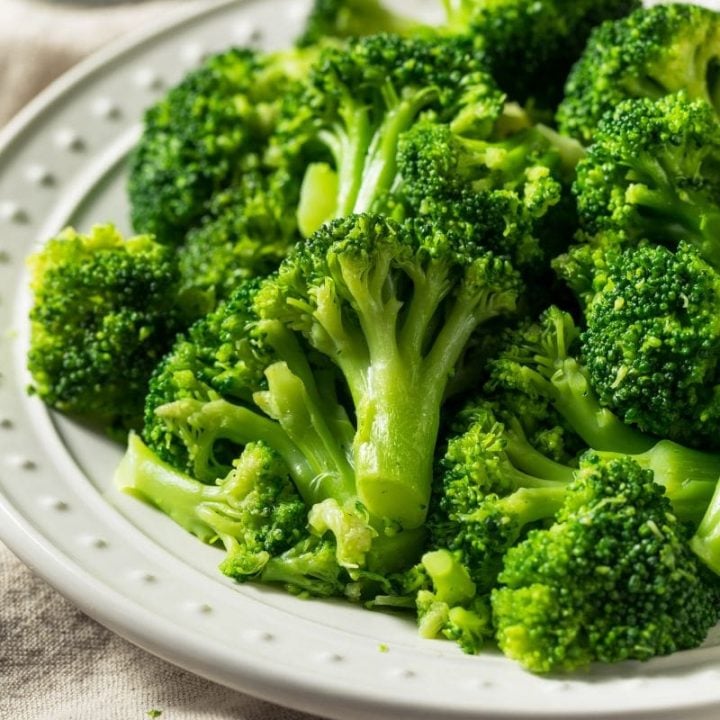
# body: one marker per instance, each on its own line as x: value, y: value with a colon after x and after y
x: 126, y: 565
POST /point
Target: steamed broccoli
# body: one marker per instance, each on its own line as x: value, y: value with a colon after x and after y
x: 651, y: 173
x: 255, y: 511
x: 106, y: 309
x: 652, y: 343
x: 205, y: 134
x: 510, y: 174
x: 394, y: 311
x: 360, y: 299
x: 651, y: 53
x: 530, y: 46
x: 539, y: 362
x: 491, y: 483
x: 342, y: 129
x: 249, y: 228
x: 613, y: 579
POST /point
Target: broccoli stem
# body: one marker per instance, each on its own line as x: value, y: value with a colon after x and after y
x: 288, y: 401
x: 398, y: 422
x: 533, y: 464
x: 706, y: 541
x: 526, y: 504
x: 689, y: 476
x: 380, y: 168
x: 694, y: 218
x: 570, y: 392
x: 144, y: 474
x: 350, y: 150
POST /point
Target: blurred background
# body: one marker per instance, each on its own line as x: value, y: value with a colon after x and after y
x: 40, y: 39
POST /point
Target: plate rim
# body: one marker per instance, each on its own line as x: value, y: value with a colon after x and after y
x: 60, y: 570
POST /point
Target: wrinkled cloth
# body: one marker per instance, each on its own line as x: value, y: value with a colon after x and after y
x: 55, y: 662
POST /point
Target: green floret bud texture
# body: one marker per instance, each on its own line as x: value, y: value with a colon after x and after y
x: 652, y: 174
x: 649, y: 54
x: 652, y: 342
x: 105, y: 311
x: 254, y: 512
x: 530, y: 46
x: 205, y: 134
x: 342, y: 128
x: 613, y: 579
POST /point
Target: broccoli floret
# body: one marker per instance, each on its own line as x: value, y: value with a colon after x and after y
x: 539, y: 362
x: 649, y: 54
x: 202, y: 404
x: 652, y: 174
x: 360, y: 299
x: 205, y: 134
x: 449, y: 605
x: 530, y: 46
x: 342, y: 129
x: 512, y: 179
x: 370, y: 295
x: 353, y: 19
x: 613, y: 579
x: 247, y: 231
x: 491, y: 484
x: 106, y: 309
x: 652, y: 342
x: 255, y: 512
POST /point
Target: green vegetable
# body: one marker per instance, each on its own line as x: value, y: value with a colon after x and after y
x: 651, y: 53
x: 612, y: 579
x: 205, y: 134
x: 342, y: 129
x: 105, y: 310
x: 651, y: 173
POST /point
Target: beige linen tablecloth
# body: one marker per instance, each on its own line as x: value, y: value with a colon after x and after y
x: 56, y: 663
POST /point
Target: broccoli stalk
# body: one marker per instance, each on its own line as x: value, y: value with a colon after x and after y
x: 538, y: 362
x: 368, y: 294
x: 255, y: 512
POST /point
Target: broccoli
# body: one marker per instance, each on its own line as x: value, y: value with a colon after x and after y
x: 342, y: 129
x: 205, y: 134
x: 651, y: 174
x: 649, y: 54
x: 449, y: 605
x: 652, y: 342
x: 105, y: 310
x: 538, y: 361
x: 255, y: 511
x: 356, y: 306
x: 248, y: 229
x: 613, y: 579
x: 394, y: 311
x: 511, y: 175
x: 491, y: 484
x: 530, y: 46
x: 352, y: 19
